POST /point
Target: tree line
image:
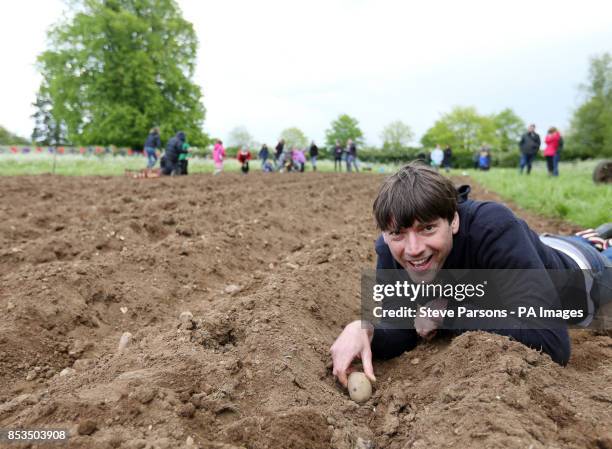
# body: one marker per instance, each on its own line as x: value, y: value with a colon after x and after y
x: 115, y: 68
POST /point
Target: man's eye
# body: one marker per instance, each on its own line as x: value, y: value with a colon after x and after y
x: 429, y: 228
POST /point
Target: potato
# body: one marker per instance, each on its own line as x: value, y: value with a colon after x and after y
x: 359, y: 387
x: 124, y: 341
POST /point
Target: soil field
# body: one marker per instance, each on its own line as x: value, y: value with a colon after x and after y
x: 268, y: 270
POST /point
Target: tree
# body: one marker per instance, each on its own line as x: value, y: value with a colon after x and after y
x: 591, y: 125
x: 47, y: 131
x: 508, y: 129
x: 396, y: 135
x: 8, y: 138
x: 240, y: 136
x: 462, y: 128
x: 118, y: 67
x: 294, y: 138
x: 342, y: 129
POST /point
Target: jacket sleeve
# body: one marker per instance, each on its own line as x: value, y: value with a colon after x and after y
x: 391, y: 342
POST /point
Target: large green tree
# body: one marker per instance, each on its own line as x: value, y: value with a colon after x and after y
x: 115, y: 68
x: 396, y: 135
x: 508, y: 130
x: 591, y: 125
x: 342, y: 129
x: 462, y: 128
x: 294, y: 138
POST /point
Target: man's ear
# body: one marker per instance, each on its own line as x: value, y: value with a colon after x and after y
x: 455, y: 223
x: 384, y: 235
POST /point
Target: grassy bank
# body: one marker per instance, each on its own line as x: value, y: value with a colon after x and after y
x: 77, y: 165
x: 572, y: 196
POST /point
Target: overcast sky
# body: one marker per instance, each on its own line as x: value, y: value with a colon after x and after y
x: 269, y: 65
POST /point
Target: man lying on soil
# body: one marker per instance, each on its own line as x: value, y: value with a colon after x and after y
x: 428, y: 225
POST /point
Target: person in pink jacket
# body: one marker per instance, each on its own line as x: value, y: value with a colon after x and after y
x: 553, y: 139
x: 218, y: 156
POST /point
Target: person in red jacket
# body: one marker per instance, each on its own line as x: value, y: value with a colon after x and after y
x: 552, y: 140
x: 244, y: 156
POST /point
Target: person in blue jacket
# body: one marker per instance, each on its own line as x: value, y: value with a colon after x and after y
x: 428, y: 225
x: 151, y: 145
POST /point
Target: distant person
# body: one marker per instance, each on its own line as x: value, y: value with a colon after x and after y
x: 529, y: 145
x: 447, y: 162
x: 338, y: 150
x: 484, y: 158
x: 174, y: 148
x: 267, y: 167
x: 436, y: 156
x: 314, y: 154
x: 279, y: 155
x: 183, y: 161
x: 218, y: 156
x: 299, y: 159
x: 263, y: 155
x: 244, y: 156
x: 550, y: 152
x: 152, y: 144
x: 351, y: 156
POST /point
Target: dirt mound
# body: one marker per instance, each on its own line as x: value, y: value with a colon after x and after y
x: 232, y: 289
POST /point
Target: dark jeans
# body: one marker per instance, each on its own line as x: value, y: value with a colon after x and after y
x: 168, y: 166
x: 526, y: 160
x: 556, y: 159
x: 245, y: 167
x: 151, y: 156
x: 338, y: 164
x: 550, y: 164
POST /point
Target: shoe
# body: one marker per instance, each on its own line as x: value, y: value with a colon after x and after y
x: 605, y: 231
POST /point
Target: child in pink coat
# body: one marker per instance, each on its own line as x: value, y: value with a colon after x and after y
x: 218, y: 156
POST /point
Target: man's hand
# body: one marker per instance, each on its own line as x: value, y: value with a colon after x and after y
x: 426, y: 326
x: 353, y: 342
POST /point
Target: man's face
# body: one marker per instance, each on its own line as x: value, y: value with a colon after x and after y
x: 423, y: 248
x: 531, y: 128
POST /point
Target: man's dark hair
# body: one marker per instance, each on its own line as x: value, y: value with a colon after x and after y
x: 415, y: 192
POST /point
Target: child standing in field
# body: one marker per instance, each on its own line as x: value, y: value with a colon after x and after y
x: 183, y: 162
x: 264, y: 154
x: 244, y: 156
x: 218, y: 156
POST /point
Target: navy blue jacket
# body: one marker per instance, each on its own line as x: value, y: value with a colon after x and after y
x: 490, y: 236
x: 174, y: 148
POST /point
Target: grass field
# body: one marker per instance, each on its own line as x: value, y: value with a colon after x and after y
x: 77, y: 165
x: 572, y: 196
